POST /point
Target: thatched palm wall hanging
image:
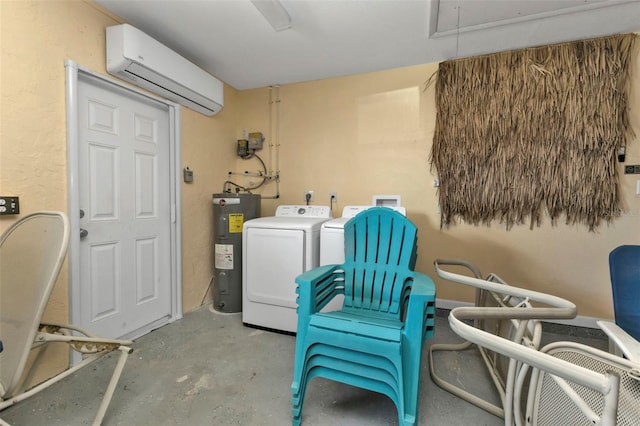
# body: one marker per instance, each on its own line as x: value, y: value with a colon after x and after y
x: 523, y: 132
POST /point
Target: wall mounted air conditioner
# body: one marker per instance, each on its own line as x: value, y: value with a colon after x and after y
x: 135, y: 57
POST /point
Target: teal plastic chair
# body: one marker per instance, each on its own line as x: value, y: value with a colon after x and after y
x: 624, y: 268
x: 375, y: 341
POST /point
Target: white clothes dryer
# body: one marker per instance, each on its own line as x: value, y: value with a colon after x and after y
x: 275, y: 251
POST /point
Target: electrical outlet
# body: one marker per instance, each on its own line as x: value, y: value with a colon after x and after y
x: 632, y: 169
x: 9, y: 205
x: 333, y: 196
x: 308, y: 195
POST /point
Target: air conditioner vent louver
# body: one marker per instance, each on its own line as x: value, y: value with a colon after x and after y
x: 134, y: 56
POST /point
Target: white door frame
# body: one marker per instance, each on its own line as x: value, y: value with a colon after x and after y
x: 73, y: 70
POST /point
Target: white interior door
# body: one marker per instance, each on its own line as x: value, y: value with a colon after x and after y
x: 125, y: 210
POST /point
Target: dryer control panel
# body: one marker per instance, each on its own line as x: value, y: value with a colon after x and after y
x: 351, y: 211
x: 304, y: 211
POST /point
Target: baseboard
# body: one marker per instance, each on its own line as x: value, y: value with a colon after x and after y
x: 579, y: 321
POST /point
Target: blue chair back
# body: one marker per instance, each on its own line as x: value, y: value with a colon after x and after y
x: 624, y: 267
x: 380, y: 254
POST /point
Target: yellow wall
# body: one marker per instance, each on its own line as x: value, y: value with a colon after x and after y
x: 360, y: 135
x: 372, y: 134
x: 36, y: 37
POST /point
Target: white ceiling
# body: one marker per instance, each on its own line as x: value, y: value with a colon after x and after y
x: 329, y: 38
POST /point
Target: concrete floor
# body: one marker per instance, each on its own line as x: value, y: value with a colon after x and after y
x: 209, y: 369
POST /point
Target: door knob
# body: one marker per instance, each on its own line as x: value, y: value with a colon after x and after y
x: 83, y: 233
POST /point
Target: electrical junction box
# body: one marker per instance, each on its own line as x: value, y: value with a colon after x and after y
x: 187, y: 175
x: 243, y: 147
x: 255, y: 140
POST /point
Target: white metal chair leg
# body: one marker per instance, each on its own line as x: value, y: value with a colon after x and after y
x: 106, y: 400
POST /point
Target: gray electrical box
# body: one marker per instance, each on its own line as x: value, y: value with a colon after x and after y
x: 187, y: 175
x: 255, y: 141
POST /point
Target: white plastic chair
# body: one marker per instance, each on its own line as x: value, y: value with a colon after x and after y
x: 566, y: 382
x: 501, y: 369
x: 32, y: 251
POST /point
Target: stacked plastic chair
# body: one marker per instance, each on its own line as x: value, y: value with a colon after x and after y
x: 375, y: 341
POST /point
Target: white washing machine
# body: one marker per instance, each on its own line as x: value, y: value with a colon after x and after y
x: 275, y: 250
x: 332, y: 235
x: 332, y: 246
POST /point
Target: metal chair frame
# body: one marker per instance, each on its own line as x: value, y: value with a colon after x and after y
x: 32, y: 252
x: 607, y: 395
